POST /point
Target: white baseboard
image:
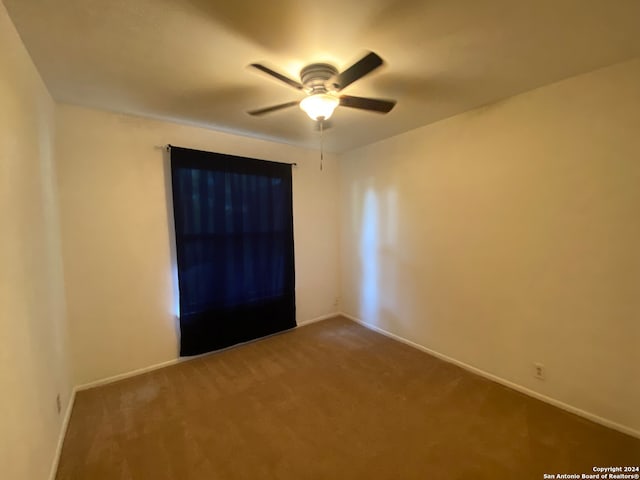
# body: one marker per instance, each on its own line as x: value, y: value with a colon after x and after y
x: 62, y: 435
x: 318, y: 319
x: 132, y: 373
x: 514, y: 386
x: 174, y: 361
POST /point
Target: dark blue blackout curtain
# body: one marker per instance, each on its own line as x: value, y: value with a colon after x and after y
x: 234, y: 242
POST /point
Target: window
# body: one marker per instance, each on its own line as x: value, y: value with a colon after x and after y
x: 234, y: 242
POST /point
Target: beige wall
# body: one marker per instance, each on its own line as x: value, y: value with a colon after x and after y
x: 510, y: 235
x: 116, y: 234
x: 33, y: 361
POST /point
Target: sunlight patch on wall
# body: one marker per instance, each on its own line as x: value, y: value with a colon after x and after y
x: 369, y: 301
x: 377, y: 211
x: 388, y: 254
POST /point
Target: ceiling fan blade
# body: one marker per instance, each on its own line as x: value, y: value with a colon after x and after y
x: 272, y: 108
x: 279, y: 76
x: 371, y: 104
x: 362, y: 67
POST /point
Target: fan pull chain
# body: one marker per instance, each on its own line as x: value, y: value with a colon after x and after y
x: 321, y: 142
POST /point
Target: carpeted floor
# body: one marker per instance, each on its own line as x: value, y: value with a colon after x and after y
x: 331, y: 400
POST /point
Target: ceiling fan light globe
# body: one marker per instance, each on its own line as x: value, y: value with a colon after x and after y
x: 319, y: 106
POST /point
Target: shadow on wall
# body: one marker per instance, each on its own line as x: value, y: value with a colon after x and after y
x: 378, y: 252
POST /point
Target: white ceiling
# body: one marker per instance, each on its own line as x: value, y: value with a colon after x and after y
x: 186, y: 60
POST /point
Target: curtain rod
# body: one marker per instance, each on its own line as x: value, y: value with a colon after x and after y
x: 293, y: 164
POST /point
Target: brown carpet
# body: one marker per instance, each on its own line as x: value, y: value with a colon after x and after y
x: 331, y: 400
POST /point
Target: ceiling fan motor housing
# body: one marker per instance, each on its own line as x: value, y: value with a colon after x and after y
x: 315, y: 77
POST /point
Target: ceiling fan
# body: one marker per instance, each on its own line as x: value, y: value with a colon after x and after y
x: 322, y: 82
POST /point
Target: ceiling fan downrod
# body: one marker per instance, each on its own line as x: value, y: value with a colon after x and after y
x: 321, y: 120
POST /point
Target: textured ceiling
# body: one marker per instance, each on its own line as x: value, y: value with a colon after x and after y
x: 186, y: 60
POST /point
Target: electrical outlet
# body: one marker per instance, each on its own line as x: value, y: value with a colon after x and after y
x: 538, y: 371
x: 58, y: 403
